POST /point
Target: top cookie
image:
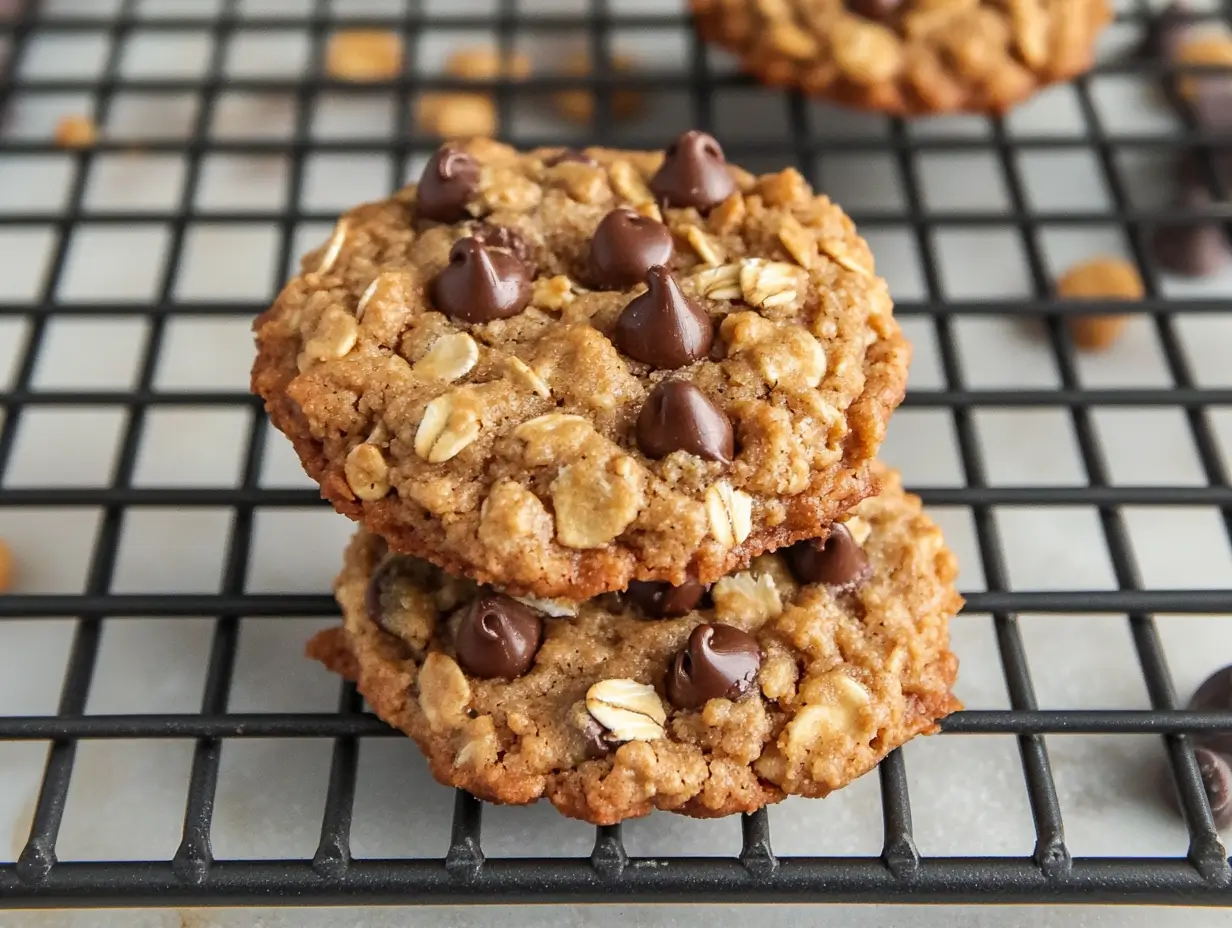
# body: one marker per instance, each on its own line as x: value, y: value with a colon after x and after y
x: 556, y: 372
x: 909, y: 56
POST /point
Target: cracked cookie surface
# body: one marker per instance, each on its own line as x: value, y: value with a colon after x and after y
x: 913, y: 56
x: 557, y: 372
x: 792, y: 677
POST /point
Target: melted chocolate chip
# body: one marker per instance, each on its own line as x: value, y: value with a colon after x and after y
x: 481, y: 284
x: 511, y: 240
x: 570, y: 155
x: 662, y: 326
x: 718, y: 662
x: 449, y: 180
x: 662, y: 600
x: 694, y: 173
x: 679, y: 417
x: 598, y: 744
x: 379, y: 581
x: 1215, y: 693
x: 497, y: 637
x: 625, y: 246
x: 1217, y: 781
x: 837, y: 562
x: 875, y: 9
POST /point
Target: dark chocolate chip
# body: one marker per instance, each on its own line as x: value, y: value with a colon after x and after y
x: 1165, y: 33
x: 718, y: 662
x: 511, y: 240
x: 598, y: 742
x: 1193, y: 248
x: 837, y: 562
x: 625, y: 246
x: 679, y: 417
x: 1215, y: 694
x: 449, y: 180
x: 379, y: 582
x: 570, y: 156
x: 662, y: 326
x: 481, y: 284
x: 662, y: 600
x: 497, y: 637
x: 1217, y: 780
x: 391, y: 605
x: 875, y: 9
x: 694, y: 173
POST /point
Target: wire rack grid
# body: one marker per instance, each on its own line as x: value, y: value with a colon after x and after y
x: 232, y: 139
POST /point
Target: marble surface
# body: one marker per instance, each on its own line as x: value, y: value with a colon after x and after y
x: 967, y: 792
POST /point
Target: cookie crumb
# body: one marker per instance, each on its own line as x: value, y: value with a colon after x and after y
x: 6, y: 567
x: 579, y: 105
x: 1099, y: 279
x: 76, y: 132
x: 364, y: 56
x: 452, y: 114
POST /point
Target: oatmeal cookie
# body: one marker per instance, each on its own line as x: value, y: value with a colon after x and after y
x: 559, y: 371
x: 792, y: 677
x: 909, y: 56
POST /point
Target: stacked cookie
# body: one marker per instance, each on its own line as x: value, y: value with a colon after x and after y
x: 608, y: 420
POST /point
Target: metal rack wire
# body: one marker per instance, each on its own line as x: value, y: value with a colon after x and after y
x: 900, y: 873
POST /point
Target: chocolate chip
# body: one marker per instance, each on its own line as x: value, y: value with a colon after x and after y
x: 1215, y: 694
x: 662, y: 326
x: 718, y: 662
x: 481, y: 284
x: 595, y: 736
x: 497, y: 636
x: 511, y: 240
x: 570, y: 156
x: 1217, y: 780
x: 625, y: 246
x: 662, y: 600
x: 694, y: 173
x: 1165, y: 32
x: 1194, y: 248
x: 837, y: 562
x: 679, y: 417
x: 875, y: 9
x: 449, y: 180
x: 392, y: 605
x: 379, y: 581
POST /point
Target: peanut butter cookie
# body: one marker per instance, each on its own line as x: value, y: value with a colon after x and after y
x: 556, y: 371
x: 909, y: 56
x: 792, y: 677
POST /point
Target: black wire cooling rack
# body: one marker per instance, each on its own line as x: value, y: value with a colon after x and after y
x: 899, y: 873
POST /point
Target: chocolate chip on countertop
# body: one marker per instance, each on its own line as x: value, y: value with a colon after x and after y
x: 662, y: 326
x: 694, y: 173
x: 1217, y: 780
x: 449, y: 180
x: 875, y: 9
x: 718, y: 662
x: 662, y: 600
x: 677, y: 416
x: 625, y: 246
x: 497, y: 636
x: 480, y: 284
x: 837, y: 562
x: 1192, y: 248
x: 1215, y: 693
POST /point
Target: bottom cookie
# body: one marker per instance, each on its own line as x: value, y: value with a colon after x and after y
x: 793, y: 677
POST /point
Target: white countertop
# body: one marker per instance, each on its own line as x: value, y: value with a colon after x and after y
x: 967, y: 794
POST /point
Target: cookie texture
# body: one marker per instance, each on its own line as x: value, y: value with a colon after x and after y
x: 792, y: 677
x: 470, y: 367
x: 909, y: 56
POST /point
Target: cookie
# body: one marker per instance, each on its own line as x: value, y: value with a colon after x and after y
x: 792, y: 677
x: 559, y: 371
x: 909, y: 56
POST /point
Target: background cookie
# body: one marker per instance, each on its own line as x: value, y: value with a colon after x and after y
x: 793, y: 677
x: 559, y: 371
x: 913, y: 56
